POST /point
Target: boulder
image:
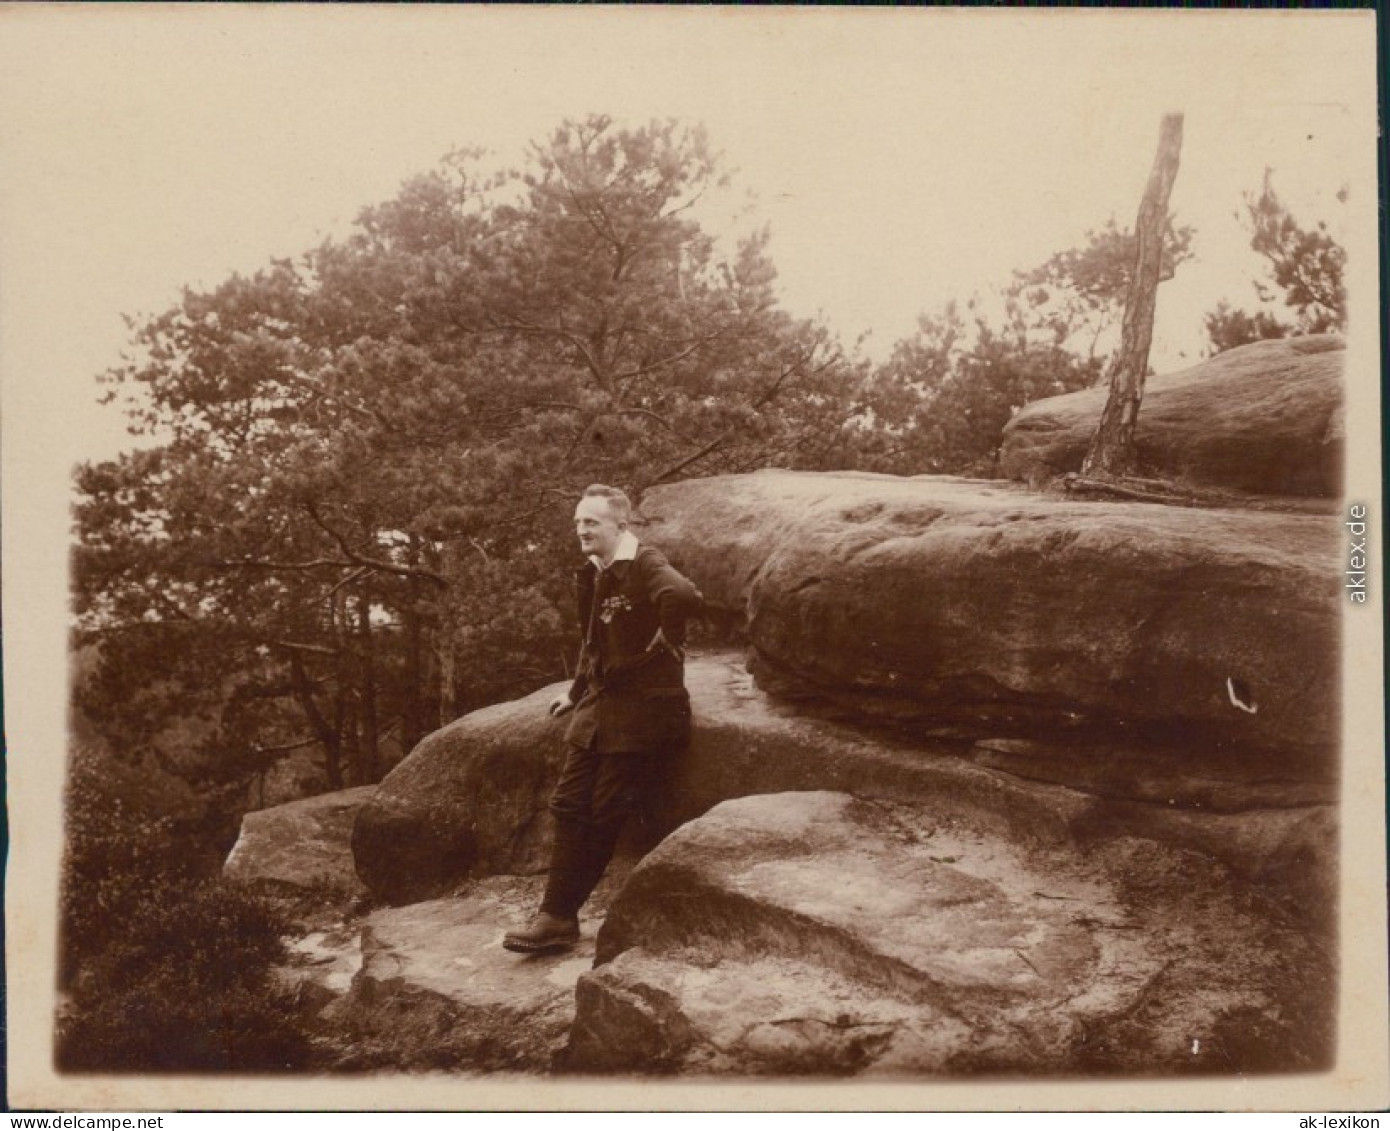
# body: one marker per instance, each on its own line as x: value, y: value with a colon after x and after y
x: 471, y: 798
x: 1263, y: 418
x: 818, y: 933
x: 301, y: 844
x: 977, y: 609
x: 436, y: 990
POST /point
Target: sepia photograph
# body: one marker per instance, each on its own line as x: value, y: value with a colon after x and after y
x: 692, y: 558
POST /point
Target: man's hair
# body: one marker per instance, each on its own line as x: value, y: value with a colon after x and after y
x: 618, y: 502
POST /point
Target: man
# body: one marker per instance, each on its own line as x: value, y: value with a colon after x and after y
x: 631, y: 709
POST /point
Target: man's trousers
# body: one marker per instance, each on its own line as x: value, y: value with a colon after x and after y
x: 593, y: 800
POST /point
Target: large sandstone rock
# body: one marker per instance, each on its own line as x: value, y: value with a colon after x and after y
x: 969, y: 608
x: 301, y: 844
x: 471, y: 798
x: 435, y: 988
x: 1264, y: 418
x: 817, y: 933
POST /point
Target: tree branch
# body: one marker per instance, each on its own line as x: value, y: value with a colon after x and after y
x: 285, y: 747
x: 355, y: 575
x: 296, y: 646
x: 516, y: 519
x: 263, y: 563
x: 354, y: 558
x: 519, y: 325
x: 321, y: 394
x: 624, y: 378
x: 719, y: 441
x: 677, y: 468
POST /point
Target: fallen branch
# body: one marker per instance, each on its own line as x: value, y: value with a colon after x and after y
x: 1116, y: 489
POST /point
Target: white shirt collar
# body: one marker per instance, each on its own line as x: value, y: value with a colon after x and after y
x: 626, y: 551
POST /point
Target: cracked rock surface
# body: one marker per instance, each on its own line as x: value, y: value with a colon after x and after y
x: 819, y: 933
x: 436, y: 990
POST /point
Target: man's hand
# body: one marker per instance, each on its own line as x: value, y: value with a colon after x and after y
x: 660, y: 641
x: 561, y: 705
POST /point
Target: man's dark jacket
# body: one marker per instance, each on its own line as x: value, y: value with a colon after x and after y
x: 629, y: 691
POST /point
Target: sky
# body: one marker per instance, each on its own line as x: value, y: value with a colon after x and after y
x: 901, y: 158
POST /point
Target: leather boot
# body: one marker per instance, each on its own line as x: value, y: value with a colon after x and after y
x: 545, y: 933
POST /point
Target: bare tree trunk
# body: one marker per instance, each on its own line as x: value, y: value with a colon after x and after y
x: 413, y: 712
x: 371, y: 757
x: 346, y: 699
x: 1112, y: 448
x: 448, y: 691
x: 444, y: 651
x: 328, y: 736
x: 345, y: 711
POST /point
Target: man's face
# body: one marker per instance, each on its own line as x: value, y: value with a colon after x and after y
x: 598, y: 528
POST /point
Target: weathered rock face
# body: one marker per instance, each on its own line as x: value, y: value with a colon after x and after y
x: 1264, y: 418
x: 968, y: 608
x: 436, y: 989
x: 469, y: 799
x: 302, y: 844
x: 427, y: 827
x: 818, y: 933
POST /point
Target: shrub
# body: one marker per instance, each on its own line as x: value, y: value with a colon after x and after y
x: 165, y: 969
x: 185, y: 985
